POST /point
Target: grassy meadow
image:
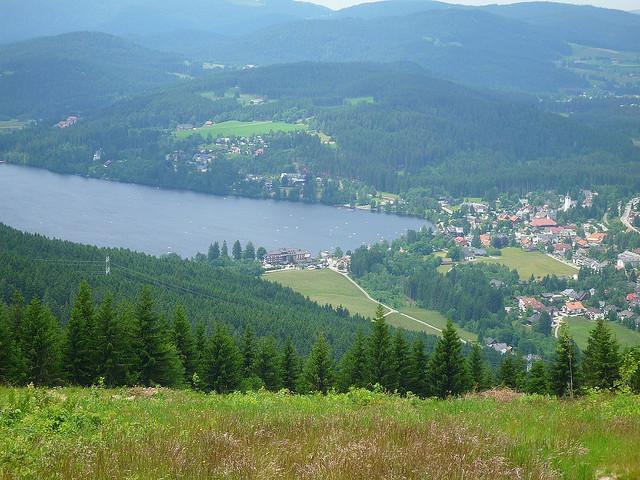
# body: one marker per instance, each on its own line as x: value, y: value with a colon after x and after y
x: 580, y: 327
x: 530, y: 263
x: 138, y: 433
x: 234, y: 128
x: 328, y: 287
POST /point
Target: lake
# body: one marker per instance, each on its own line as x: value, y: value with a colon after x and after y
x: 155, y: 221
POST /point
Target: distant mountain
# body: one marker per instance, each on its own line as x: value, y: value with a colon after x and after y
x: 75, y: 72
x: 468, y: 45
x: 24, y: 19
x: 582, y: 24
x: 391, y: 8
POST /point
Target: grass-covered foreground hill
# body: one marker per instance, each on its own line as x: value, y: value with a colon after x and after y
x: 150, y: 433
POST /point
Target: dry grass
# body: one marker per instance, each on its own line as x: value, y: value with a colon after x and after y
x: 150, y: 433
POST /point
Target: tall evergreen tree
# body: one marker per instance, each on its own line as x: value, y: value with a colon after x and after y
x: 115, y: 344
x: 564, y: 380
x: 261, y: 253
x: 237, y: 250
x: 267, y: 364
x: 184, y: 342
x: 380, y: 354
x: 200, y: 339
x: 42, y: 344
x: 80, y: 352
x: 154, y: 355
x: 477, y: 368
x: 249, y: 351
x: 401, y: 363
x: 601, y: 362
x: 418, y: 372
x: 290, y: 366
x: 16, y: 325
x: 223, y: 363
x: 354, y: 367
x: 318, y: 372
x: 511, y: 372
x: 224, y: 252
x: 249, y: 252
x: 538, y: 379
x: 448, y: 367
x: 8, y: 348
x: 214, y: 252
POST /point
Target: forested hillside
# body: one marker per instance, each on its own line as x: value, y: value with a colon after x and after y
x: 411, y: 130
x: 52, y: 270
x: 79, y: 72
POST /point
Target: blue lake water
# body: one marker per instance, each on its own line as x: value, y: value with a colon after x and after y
x: 158, y: 221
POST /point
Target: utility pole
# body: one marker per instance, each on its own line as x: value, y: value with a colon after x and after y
x: 107, y: 266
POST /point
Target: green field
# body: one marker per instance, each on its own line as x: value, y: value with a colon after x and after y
x: 580, y: 327
x: 9, y: 125
x: 359, y: 100
x: 72, y: 433
x: 234, y: 128
x: 530, y: 263
x: 329, y: 287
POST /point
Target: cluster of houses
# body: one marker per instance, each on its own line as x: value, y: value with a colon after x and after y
x: 68, y: 122
x: 202, y: 160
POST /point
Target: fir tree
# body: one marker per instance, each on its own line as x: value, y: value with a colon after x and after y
x: 224, y: 252
x: 401, y: 363
x: 237, y: 250
x: 249, y: 252
x: 8, y: 348
x: 477, y: 368
x: 200, y: 340
x: 418, y: 374
x: 184, y: 342
x: 380, y: 355
x: 80, y: 353
x: 318, y: 372
x: 601, y: 362
x: 290, y: 366
x: 448, y: 367
x: 214, y: 252
x: 223, y: 363
x: 115, y: 350
x: 249, y: 351
x: 41, y: 344
x: 511, y: 372
x: 268, y: 366
x: 538, y: 379
x: 563, y: 372
x: 154, y: 356
x: 354, y: 367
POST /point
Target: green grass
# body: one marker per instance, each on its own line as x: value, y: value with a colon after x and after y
x: 530, y: 263
x: 329, y: 287
x: 148, y: 433
x: 580, y: 327
x: 234, y: 128
x: 9, y: 125
x: 359, y: 100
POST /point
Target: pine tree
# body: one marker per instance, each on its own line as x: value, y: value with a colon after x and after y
x: 318, y: 372
x: 80, y: 352
x: 290, y: 366
x: 448, y: 367
x: 155, y: 359
x: 477, y: 368
x: 249, y: 351
x: 237, y: 250
x: 268, y: 365
x: 418, y: 374
x: 200, y: 340
x: 8, y: 348
x: 538, y: 379
x: 16, y: 325
x: 42, y: 345
x: 380, y: 355
x: 401, y: 363
x: 224, y: 252
x: 115, y: 349
x: 249, y: 252
x: 184, y: 342
x: 511, y: 372
x: 354, y: 367
x: 261, y: 253
x: 563, y: 372
x: 214, y: 252
x: 601, y: 362
x: 223, y: 363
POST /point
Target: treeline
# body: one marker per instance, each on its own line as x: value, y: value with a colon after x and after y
x: 116, y: 344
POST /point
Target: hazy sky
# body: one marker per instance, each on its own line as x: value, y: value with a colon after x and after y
x: 620, y: 4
